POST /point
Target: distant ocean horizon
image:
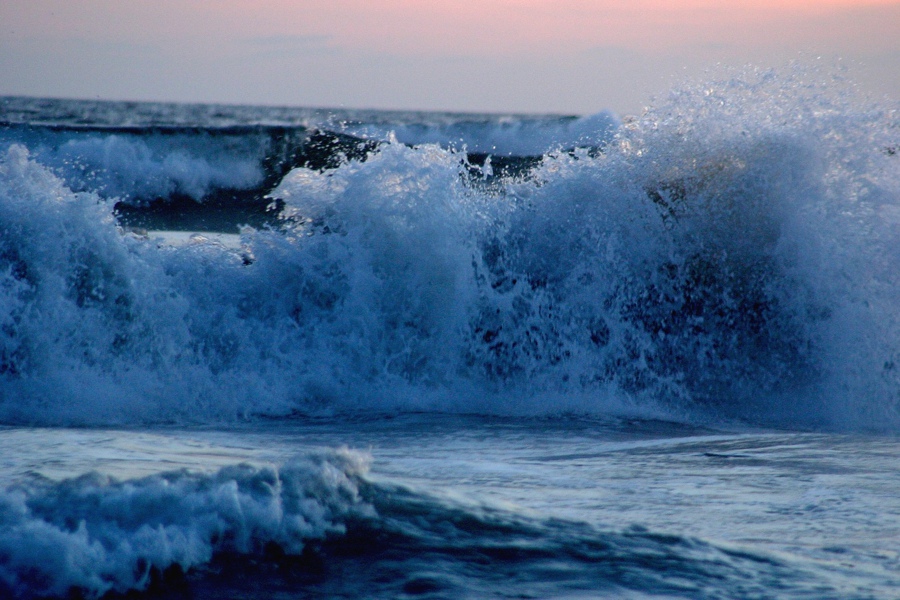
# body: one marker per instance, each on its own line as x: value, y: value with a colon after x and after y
x: 273, y: 352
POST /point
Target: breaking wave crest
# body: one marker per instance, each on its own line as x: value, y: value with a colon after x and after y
x: 320, y: 525
x: 729, y: 254
x: 95, y: 534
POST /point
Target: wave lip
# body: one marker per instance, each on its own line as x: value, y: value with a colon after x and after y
x: 95, y: 534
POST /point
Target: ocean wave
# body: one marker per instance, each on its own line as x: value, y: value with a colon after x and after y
x: 94, y: 534
x: 728, y: 255
x: 319, y: 525
x: 141, y: 165
x: 158, y: 163
x: 519, y: 136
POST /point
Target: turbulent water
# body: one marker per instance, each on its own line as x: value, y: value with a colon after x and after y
x: 255, y: 352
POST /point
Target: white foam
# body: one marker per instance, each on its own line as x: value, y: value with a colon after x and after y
x: 723, y: 256
x: 97, y: 534
x: 140, y: 168
x: 191, y: 238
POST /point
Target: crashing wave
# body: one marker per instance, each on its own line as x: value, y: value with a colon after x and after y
x: 721, y: 257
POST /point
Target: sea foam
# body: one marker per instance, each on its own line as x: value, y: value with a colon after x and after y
x: 95, y: 534
x: 727, y: 254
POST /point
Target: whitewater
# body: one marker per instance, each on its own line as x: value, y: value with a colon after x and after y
x: 262, y: 352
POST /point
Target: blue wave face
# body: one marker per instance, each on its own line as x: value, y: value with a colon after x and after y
x: 730, y: 255
x: 318, y: 525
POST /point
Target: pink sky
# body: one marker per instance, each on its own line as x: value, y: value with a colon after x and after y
x: 499, y: 55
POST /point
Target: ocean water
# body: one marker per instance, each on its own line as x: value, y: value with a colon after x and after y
x: 276, y: 353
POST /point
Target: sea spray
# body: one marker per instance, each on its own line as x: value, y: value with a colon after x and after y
x: 727, y: 254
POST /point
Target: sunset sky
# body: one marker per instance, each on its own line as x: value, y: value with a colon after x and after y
x: 576, y: 56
